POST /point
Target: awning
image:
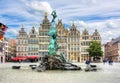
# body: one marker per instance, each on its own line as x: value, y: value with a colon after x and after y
x: 33, y: 57
x: 18, y: 58
x: 14, y: 59
x: 22, y: 58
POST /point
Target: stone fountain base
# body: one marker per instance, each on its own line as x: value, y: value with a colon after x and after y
x: 56, y: 63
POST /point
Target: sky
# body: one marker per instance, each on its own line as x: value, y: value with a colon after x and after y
x: 103, y: 15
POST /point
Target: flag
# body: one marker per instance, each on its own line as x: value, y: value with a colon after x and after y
x: 3, y: 27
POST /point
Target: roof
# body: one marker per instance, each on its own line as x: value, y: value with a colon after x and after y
x: 117, y: 40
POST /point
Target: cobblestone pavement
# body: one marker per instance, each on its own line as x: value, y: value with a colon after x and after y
x: 105, y: 74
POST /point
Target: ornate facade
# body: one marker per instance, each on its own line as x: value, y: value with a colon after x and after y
x: 33, y: 46
x: 22, y: 43
x: 73, y: 44
x: 62, y: 38
x: 43, y: 36
x: 85, y: 40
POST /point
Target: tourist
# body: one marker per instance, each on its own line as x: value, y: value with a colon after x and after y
x: 104, y: 61
x: 88, y: 63
x: 110, y: 62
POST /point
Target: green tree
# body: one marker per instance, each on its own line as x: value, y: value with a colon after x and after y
x: 95, y: 50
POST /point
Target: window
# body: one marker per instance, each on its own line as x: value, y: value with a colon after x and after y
x: 81, y: 44
x: 25, y: 49
x: 21, y: 41
x: 25, y: 42
x: 18, y: 48
x: 22, y: 49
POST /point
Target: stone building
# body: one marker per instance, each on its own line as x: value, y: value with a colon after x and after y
x: 73, y: 44
x: 85, y: 40
x: 112, y: 49
x: 11, y: 47
x: 2, y: 56
x: 22, y: 43
x: 33, y: 46
x: 43, y: 36
x: 108, y: 48
x: 5, y: 47
x: 62, y: 39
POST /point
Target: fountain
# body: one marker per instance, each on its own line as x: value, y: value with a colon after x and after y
x: 54, y: 61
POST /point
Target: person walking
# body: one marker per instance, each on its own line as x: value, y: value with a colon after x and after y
x: 88, y: 63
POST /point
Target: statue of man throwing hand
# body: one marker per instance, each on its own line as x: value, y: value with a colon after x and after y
x: 54, y: 16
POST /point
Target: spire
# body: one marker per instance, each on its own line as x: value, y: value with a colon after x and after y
x: 85, y: 32
x: 72, y: 23
x: 96, y: 30
x: 96, y: 33
x: 73, y: 27
x: 60, y: 22
x: 45, y: 20
x: 45, y: 14
x: 33, y: 29
x: 22, y: 28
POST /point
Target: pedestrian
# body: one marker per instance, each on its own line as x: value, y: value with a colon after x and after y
x: 88, y: 63
x: 110, y: 62
x: 104, y: 61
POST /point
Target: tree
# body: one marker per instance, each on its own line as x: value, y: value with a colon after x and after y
x: 95, y: 50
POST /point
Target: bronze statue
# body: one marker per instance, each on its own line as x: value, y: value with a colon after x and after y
x: 53, y: 46
x: 54, y: 16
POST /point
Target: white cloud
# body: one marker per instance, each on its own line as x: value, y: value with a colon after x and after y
x: 102, y: 8
x: 40, y: 6
x: 108, y: 29
x: 13, y: 31
x: 112, y: 24
x: 81, y: 24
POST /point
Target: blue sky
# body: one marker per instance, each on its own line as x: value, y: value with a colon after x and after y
x: 103, y: 15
